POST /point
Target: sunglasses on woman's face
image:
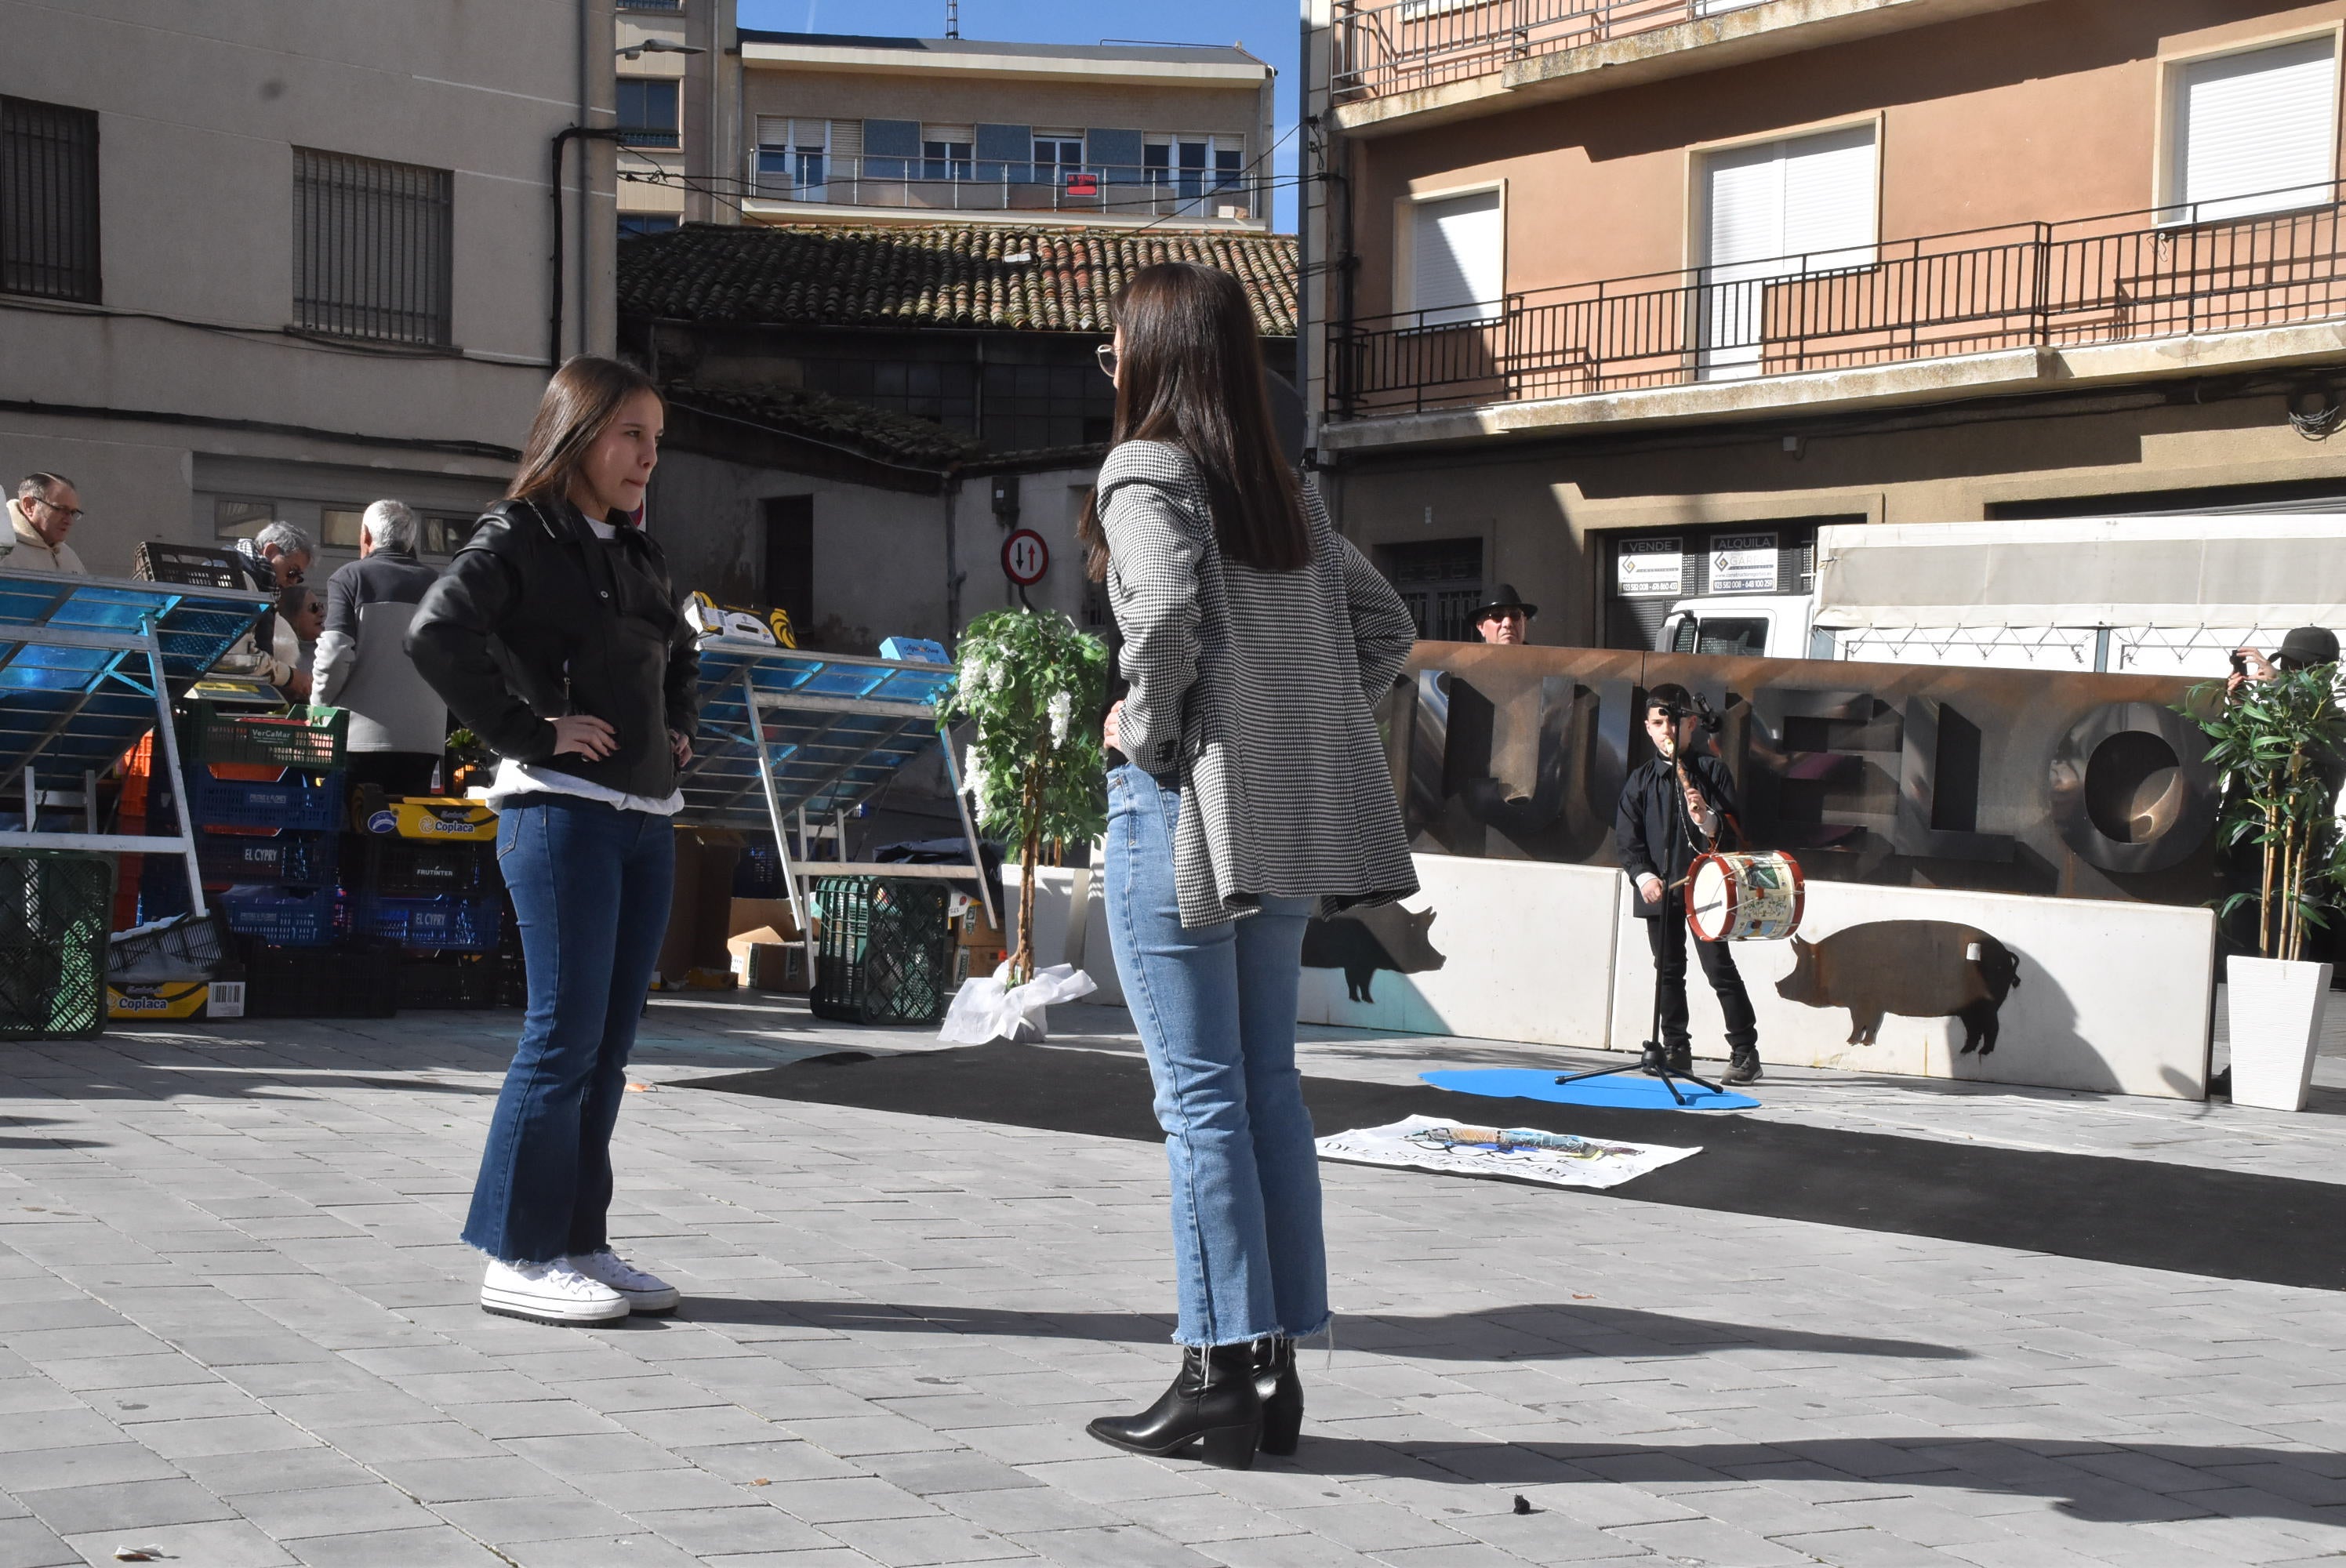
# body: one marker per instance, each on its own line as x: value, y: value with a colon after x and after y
x: 1106, y: 354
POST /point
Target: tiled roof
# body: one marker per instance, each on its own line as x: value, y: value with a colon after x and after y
x: 930, y: 275
x: 832, y: 421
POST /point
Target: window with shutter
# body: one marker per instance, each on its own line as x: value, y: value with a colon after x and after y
x: 793, y: 158
x: 648, y: 112
x: 1781, y: 210
x: 374, y: 248
x: 2254, y: 131
x: 1457, y: 259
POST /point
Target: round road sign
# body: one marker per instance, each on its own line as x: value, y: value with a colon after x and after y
x: 1026, y: 557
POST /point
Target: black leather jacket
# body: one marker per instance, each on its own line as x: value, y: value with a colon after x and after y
x: 1651, y: 830
x: 537, y: 618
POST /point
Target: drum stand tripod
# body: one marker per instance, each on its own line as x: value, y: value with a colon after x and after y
x: 1656, y: 1057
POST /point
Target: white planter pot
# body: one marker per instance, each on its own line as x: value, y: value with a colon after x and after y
x: 2273, y: 1010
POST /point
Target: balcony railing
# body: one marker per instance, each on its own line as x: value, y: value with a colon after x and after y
x: 976, y: 184
x: 1393, y: 46
x: 2160, y: 273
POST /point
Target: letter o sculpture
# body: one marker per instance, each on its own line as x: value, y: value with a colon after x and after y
x: 2132, y: 791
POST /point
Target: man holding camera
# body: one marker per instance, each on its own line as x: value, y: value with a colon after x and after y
x: 1672, y: 810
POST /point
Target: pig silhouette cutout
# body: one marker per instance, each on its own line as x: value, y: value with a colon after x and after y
x: 1386, y: 936
x: 1914, y: 968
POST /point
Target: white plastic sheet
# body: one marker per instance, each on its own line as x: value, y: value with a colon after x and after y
x: 989, y: 1008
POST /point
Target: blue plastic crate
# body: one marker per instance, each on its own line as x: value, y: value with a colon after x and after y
x: 277, y: 916
x: 303, y: 860
x: 300, y: 801
x: 440, y: 924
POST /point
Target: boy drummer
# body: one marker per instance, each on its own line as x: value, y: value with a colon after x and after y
x: 1667, y: 817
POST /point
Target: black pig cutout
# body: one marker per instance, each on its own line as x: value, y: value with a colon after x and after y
x: 1386, y: 936
x: 1914, y: 968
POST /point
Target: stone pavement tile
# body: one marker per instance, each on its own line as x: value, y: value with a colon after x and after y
x: 239, y: 1475
x: 655, y: 1391
x: 854, y: 1497
x: 705, y: 1426
x: 1018, y: 1511
x: 128, y: 1505
x: 332, y: 1511
x: 160, y: 1365
x: 203, y: 1436
x: 532, y: 1418
x: 469, y: 1479
x: 18, y: 1395
x: 1863, y: 1548
x: 1284, y: 1552
x: 1201, y: 1520
x: 75, y: 1427
x: 434, y: 1546
x: 828, y: 1557
x: 29, y: 1543
x: 216, y: 1544
x: 1374, y: 1527
x: 911, y: 1542
x: 174, y: 1402
x: 924, y: 1475
x: 1543, y: 1537
x: 559, y: 1516
x: 1924, y: 1521
x: 406, y: 1441
x: 852, y: 1436
x: 1037, y: 1444
x: 101, y: 1464
x: 1710, y: 1541
x: 1113, y: 1477
x: 633, y: 1493
x: 748, y: 1527
x: 637, y: 1549
x: 1127, y: 1546
x: 1471, y: 1554
x: 2023, y: 1553
x: 791, y: 1459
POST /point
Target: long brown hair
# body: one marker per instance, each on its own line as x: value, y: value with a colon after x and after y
x: 581, y: 402
x: 1191, y: 374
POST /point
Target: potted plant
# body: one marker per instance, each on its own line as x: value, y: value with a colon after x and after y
x: 1034, y: 772
x: 2276, y: 742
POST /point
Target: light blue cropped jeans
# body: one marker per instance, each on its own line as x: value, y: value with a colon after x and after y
x: 1215, y: 1006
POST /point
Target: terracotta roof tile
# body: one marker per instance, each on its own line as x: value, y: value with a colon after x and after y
x: 930, y: 275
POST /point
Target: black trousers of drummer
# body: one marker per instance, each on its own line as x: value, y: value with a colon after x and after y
x: 1657, y: 838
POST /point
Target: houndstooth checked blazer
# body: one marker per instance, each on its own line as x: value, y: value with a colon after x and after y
x: 1255, y: 688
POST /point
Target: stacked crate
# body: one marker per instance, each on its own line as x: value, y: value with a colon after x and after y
x: 266, y: 793
x: 423, y: 876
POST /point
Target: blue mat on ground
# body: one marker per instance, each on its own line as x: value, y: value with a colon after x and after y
x: 1628, y: 1089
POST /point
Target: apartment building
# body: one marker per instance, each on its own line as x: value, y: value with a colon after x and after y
x: 269, y: 262
x: 843, y: 128
x: 677, y: 96
x: 1619, y: 300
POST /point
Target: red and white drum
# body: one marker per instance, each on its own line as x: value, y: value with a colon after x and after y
x: 1756, y: 897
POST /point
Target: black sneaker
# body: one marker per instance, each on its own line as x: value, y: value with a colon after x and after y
x: 1743, y: 1067
x: 1682, y: 1059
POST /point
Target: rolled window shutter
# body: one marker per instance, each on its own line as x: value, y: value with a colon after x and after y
x: 2254, y: 130
x: 890, y: 146
x: 1117, y: 151
x: 1744, y: 197
x: 1828, y: 198
x: 1458, y: 257
x: 1005, y: 150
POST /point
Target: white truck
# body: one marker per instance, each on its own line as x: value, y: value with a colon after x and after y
x: 2133, y: 596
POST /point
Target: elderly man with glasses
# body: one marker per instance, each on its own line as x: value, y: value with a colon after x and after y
x: 45, y: 511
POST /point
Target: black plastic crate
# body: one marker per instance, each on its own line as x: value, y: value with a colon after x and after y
x: 189, y: 565
x: 309, y: 739
x: 54, y: 910
x: 295, y: 859
x: 431, y: 980
x: 758, y: 874
x: 886, y: 952
x: 403, y: 868
x: 354, y: 979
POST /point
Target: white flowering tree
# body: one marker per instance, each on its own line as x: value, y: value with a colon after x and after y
x: 1031, y: 770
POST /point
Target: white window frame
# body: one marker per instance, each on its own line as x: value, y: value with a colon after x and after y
x: 1405, y: 212
x: 2168, y: 165
x: 795, y: 147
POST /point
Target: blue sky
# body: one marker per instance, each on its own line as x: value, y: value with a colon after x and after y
x: 1267, y: 28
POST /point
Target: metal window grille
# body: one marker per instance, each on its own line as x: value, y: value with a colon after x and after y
x: 373, y: 249
x: 48, y: 201
x: 1441, y: 582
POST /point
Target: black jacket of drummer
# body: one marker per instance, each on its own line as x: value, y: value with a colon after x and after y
x: 537, y: 618
x: 1650, y: 827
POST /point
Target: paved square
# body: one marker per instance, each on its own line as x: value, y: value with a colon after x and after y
x: 241, y: 1329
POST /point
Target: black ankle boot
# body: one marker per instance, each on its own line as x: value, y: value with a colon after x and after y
x: 1682, y: 1059
x: 1281, y: 1389
x: 1212, y: 1403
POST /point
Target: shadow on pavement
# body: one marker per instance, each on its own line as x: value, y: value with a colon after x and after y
x: 2134, y: 1483
x: 1540, y: 1331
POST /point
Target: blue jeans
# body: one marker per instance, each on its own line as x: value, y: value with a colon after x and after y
x: 1216, y: 1011
x: 590, y: 883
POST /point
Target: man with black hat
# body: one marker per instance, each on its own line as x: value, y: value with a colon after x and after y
x: 1672, y: 809
x: 2302, y: 649
x: 1506, y: 618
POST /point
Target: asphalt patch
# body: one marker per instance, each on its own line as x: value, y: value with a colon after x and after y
x: 2226, y: 1225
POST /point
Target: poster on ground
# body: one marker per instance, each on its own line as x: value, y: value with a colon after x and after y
x: 1449, y: 1148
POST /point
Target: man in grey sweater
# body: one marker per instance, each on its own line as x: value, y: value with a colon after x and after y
x: 399, y: 727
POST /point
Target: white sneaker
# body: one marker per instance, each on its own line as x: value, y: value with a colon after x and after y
x: 645, y: 1292
x: 549, y: 1293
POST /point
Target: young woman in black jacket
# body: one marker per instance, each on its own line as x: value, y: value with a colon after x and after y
x: 554, y: 637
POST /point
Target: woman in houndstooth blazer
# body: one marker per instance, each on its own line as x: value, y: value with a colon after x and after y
x: 1256, y: 639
